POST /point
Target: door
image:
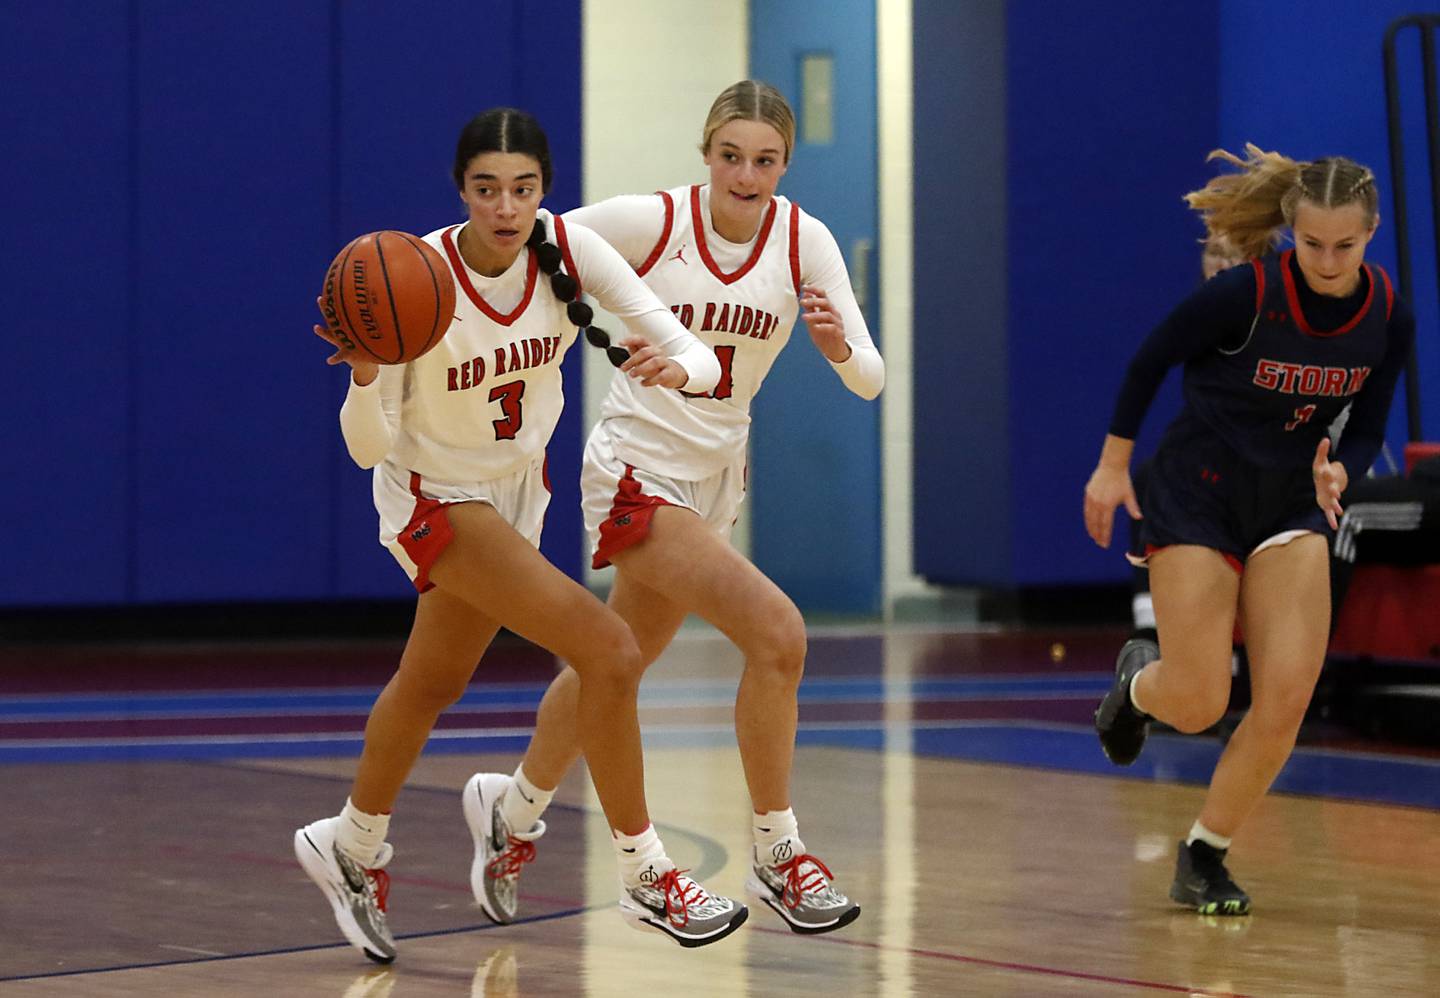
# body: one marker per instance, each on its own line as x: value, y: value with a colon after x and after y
x: 815, y: 447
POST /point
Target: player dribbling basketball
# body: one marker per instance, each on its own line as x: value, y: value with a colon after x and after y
x: 457, y: 440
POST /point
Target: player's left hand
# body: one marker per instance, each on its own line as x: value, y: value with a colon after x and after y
x: 826, y: 327
x: 1331, y: 480
x: 649, y: 365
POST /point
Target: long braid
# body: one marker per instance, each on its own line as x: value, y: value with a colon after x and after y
x: 567, y: 289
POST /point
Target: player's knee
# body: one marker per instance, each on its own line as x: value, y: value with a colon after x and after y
x: 432, y: 691
x: 1280, y: 711
x: 611, y: 659
x: 779, y: 649
x: 1201, y: 710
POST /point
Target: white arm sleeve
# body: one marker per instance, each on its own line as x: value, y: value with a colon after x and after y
x: 631, y: 223
x: 606, y: 275
x: 822, y: 266
x: 368, y: 415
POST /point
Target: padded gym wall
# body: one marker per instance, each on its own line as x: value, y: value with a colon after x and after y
x: 184, y: 174
x: 1104, y: 112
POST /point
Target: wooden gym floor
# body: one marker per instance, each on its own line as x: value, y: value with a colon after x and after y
x: 949, y: 779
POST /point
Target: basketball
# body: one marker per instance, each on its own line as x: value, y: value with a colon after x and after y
x: 389, y: 295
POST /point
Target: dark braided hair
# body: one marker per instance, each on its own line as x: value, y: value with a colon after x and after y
x: 508, y: 129
x: 567, y: 289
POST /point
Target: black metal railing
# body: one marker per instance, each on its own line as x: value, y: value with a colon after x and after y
x: 1425, y: 25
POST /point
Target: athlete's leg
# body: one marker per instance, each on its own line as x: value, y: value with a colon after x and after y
x: 555, y: 745
x: 695, y: 568
x: 491, y: 567
x: 1195, y: 592
x: 445, y: 644
x: 1285, y: 598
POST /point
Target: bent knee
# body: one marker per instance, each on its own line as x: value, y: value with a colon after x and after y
x: 431, y: 692
x: 611, y: 656
x: 780, y: 646
x: 1201, y: 711
x: 1283, y: 711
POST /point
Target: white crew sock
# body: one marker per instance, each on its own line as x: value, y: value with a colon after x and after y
x: 523, y: 803
x: 361, y: 835
x: 1201, y: 833
x: 772, y: 830
x: 1133, y: 701
x: 636, y: 852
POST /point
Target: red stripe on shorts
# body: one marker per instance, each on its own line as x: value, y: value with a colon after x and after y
x: 629, y: 521
x: 427, y: 535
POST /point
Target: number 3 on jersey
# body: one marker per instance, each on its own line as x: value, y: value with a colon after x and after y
x: 723, y: 388
x: 509, y: 396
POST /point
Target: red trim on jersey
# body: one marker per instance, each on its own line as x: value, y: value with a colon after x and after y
x: 664, y: 234
x: 629, y: 521
x: 427, y: 535
x: 564, y: 242
x: 1294, y: 299
x: 1230, y: 559
x: 1259, y: 284
x: 1389, y: 289
x: 462, y: 278
x: 795, y: 245
x: 697, y: 221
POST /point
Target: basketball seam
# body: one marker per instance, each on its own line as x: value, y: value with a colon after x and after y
x: 390, y: 294
x: 420, y: 247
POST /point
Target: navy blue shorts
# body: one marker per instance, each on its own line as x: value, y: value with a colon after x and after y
x: 1197, y: 490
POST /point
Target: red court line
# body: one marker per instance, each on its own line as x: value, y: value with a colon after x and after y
x: 1024, y: 968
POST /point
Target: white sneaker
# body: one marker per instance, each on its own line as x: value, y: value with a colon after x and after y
x: 796, y: 886
x: 668, y: 900
x: 357, y: 894
x: 500, y: 853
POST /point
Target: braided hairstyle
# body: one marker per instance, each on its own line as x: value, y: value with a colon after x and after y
x: 1251, y: 207
x: 508, y: 129
x: 567, y: 289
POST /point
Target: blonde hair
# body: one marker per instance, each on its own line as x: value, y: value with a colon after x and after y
x: 1249, y: 208
x: 751, y: 100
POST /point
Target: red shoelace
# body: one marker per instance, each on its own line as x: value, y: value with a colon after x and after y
x: 684, y: 896
x: 815, y: 881
x: 382, y: 888
x: 517, y: 853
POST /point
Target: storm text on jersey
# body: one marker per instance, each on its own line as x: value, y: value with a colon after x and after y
x: 1309, y: 379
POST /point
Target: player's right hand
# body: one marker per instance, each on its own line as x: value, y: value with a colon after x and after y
x: 363, y: 370
x: 1109, y: 486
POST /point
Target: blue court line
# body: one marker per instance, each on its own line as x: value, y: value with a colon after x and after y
x: 1346, y: 775
x: 128, y: 706
x: 1167, y: 758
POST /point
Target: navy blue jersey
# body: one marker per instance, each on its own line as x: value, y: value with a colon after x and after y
x: 1269, y: 364
x: 1274, y: 396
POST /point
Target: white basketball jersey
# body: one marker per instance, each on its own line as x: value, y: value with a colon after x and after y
x: 485, y: 400
x: 744, y: 315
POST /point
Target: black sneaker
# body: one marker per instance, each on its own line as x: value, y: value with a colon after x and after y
x: 1122, y: 728
x: 1203, y: 883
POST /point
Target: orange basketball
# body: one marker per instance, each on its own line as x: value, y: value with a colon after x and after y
x: 389, y: 295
